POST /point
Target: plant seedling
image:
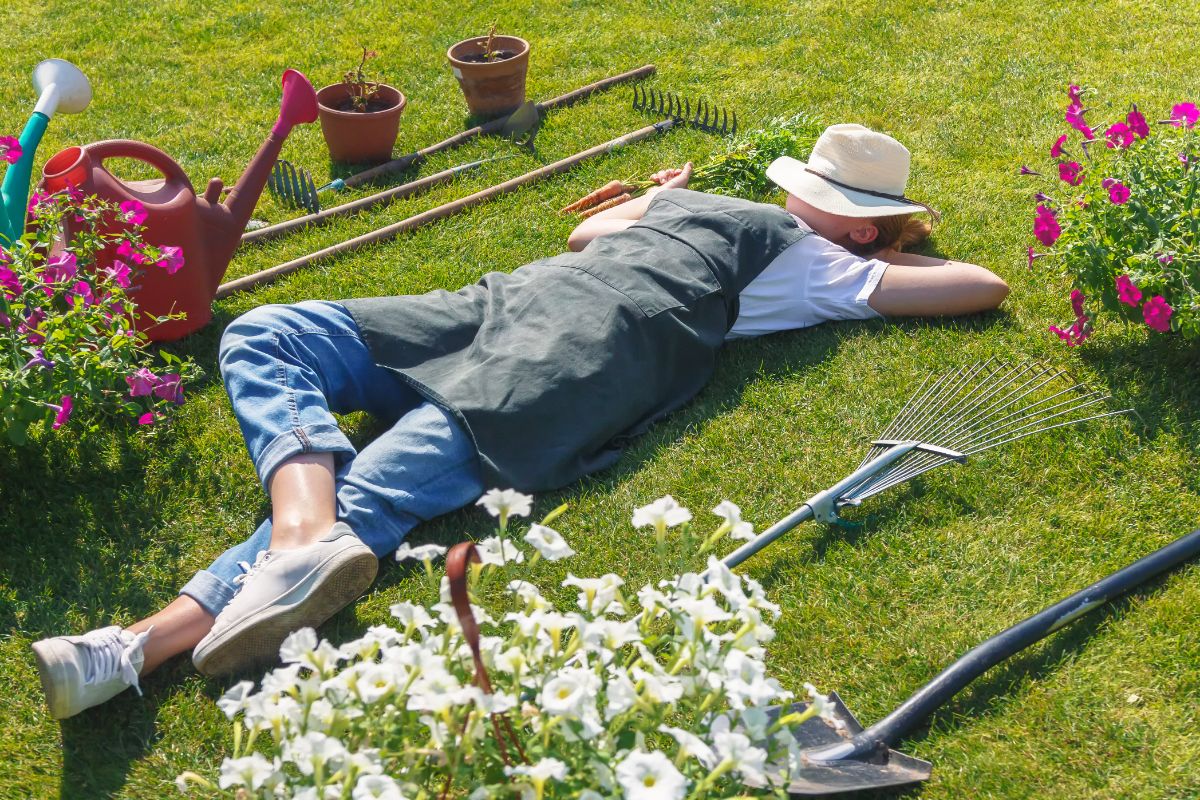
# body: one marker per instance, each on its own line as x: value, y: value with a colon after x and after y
x: 362, y: 88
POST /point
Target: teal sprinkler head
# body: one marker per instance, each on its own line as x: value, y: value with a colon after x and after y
x: 61, y: 87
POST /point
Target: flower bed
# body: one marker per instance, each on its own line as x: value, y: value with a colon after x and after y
x: 1123, y: 219
x: 71, y: 354
x: 660, y: 693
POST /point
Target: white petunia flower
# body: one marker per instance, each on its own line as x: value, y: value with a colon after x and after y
x: 505, y: 503
x: 376, y: 787
x: 424, y: 552
x: 650, y: 776
x: 824, y: 707
x: 664, y: 689
x: 736, y: 748
x: 252, y: 771
x: 234, y: 700
x: 662, y: 513
x: 692, y: 746
x: 297, y: 645
x: 570, y: 693
x: 595, y: 594
x: 549, y: 543
x: 738, y: 528
x: 621, y: 694
x: 530, y: 595
x: 493, y: 550
x: 539, y: 774
x: 412, y: 615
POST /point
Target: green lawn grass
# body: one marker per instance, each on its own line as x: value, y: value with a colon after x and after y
x: 105, y: 530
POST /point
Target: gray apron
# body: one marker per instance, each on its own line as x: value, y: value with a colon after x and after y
x: 552, y: 367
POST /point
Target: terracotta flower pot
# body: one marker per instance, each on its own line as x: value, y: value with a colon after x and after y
x: 360, y: 136
x: 495, y: 87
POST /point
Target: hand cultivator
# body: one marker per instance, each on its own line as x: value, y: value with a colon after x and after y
x: 295, y: 186
x: 705, y: 123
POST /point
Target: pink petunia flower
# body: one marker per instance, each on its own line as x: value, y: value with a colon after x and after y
x: 1071, y: 172
x: 10, y: 282
x: 1127, y: 292
x: 29, y: 328
x: 62, y: 411
x: 1157, y: 313
x: 62, y: 267
x: 1046, y: 227
x: 1073, y: 92
x: 1031, y: 255
x: 10, y: 149
x: 118, y: 273
x: 1118, y: 193
x: 126, y: 252
x: 1057, y: 149
x: 170, y: 387
x: 1027, y: 171
x: 1074, y: 118
x: 1136, y: 121
x: 147, y: 418
x: 1077, y: 301
x: 172, y: 259
x: 1119, y: 135
x: 82, y: 290
x: 141, y: 383
x: 1081, y: 329
x: 1165, y: 258
x: 39, y: 360
x: 1184, y: 115
x: 133, y: 212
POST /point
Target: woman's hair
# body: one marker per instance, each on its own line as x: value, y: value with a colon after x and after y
x: 897, y: 232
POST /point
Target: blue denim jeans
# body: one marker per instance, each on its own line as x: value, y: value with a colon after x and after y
x: 287, y: 368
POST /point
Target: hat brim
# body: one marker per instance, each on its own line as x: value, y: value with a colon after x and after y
x: 788, y: 173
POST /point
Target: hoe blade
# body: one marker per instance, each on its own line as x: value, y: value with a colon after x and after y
x: 884, y: 768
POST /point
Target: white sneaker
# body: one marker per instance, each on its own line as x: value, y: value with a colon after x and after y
x: 285, y: 590
x: 79, y: 672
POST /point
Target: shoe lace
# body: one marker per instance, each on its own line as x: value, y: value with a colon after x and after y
x: 106, y: 652
x: 249, y: 570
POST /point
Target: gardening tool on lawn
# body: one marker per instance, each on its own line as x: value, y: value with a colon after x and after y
x: 521, y: 126
x: 855, y: 759
x: 293, y: 186
x: 207, y: 230
x: 952, y: 416
x: 61, y: 87
x: 370, y: 201
x: 445, y: 210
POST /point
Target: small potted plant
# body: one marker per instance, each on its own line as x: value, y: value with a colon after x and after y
x: 360, y: 117
x: 491, y: 71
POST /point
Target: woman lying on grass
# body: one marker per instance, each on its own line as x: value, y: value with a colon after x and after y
x: 530, y: 379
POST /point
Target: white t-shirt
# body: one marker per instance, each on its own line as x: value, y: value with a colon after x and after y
x: 811, y: 282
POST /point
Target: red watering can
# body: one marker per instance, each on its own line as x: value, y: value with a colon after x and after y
x: 206, y: 230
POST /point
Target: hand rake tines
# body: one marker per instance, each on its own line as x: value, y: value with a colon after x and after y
x: 707, y: 117
x: 293, y: 186
x: 950, y: 417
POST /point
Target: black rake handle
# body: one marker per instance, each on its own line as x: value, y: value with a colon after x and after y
x: 983, y: 657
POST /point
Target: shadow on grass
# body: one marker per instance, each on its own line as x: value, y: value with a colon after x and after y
x: 1159, y: 377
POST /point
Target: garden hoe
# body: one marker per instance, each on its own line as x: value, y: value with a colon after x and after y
x: 295, y: 187
x: 950, y: 417
x: 706, y: 118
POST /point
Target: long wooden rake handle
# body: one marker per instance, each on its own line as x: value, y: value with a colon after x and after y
x: 323, y: 216
x: 440, y: 212
x: 404, y: 162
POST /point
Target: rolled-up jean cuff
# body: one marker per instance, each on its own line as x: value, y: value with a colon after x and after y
x: 212, y: 593
x: 303, y: 439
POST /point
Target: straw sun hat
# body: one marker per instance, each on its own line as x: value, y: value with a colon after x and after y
x: 852, y: 172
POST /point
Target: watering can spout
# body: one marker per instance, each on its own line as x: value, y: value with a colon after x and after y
x: 299, y: 105
x: 61, y: 88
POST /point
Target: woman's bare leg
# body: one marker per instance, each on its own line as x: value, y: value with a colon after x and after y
x: 177, y: 629
x: 302, y: 511
x: 303, y: 500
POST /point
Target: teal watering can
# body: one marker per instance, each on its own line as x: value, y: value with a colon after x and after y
x: 61, y: 87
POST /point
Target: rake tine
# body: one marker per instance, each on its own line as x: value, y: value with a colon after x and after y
x: 293, y: 194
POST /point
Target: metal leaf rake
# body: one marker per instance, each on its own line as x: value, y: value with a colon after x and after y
x: 707, y: 117
x: 950, y: 418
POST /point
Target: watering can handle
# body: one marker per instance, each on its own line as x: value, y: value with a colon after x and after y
x: 139, y: 151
